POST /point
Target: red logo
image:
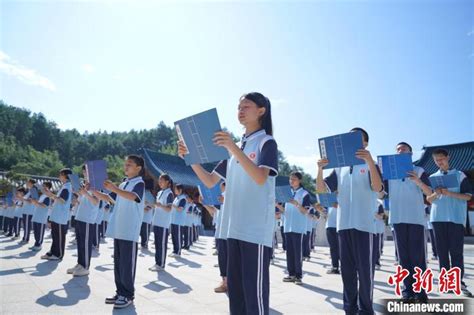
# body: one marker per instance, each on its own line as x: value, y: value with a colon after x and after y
x: 252, y: 156
x: 362, y: 171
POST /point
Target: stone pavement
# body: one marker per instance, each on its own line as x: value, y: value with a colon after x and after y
x: 29, y: 285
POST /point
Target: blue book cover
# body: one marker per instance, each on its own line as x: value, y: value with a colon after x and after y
x: 197, y: 132
x: 395, y: 166
x: 340, y: 149
x: 327, y: 200
x: 9, y: 199
x: 34, y: 193
x: 75, y: 182
x: 283, y: 193
x: 96, y: 174
x: 444, y: 181
x: 210, y: 196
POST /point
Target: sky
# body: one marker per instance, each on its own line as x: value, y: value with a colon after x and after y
x: 402, y: 70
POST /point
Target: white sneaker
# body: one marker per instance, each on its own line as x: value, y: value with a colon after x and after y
x: 172, y: 255
x: 45, y: 256
x: 156, y: 268
x: 80, y: 272
x: 70, y: 271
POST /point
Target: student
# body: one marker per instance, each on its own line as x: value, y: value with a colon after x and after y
x: 431, y: 235
x: 28, y: 210
x: 178, y: 216
x: 9, y: 215
x: 188, y: 222
x: 310, y: 218
x: 107, y: 214
x: 124, y: 228
x: 448, y: 216
x: 314, y: 227
x: 40, y: 217
x: 249, y: 204
x: 378, y: 236
x: 407, y: 216
x: 59, y: 216
x: 162, y: 221
x: 3, y: 212
x: 296, y: 211
x: 97, y: 227
x: 275, y: 238
x: 358, y: 187
x: 282, y: 231
x: 18, y: 214
x: 146, y: 223
x: 333, y: 239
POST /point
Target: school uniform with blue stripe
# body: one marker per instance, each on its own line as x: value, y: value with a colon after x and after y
x: 307, y: 235
x: 86, y: 213
x: 249, y: 219
x: 161, y: 225
x: 146, y: 226
x: 333, y: 237
x: 39, y: 220
x: 124, y: 228
x: 448, y: 217
x: 59, y: 220
x: 177, y: 220
x: 28, y: 211
x: 17, y: 217
x: 357, y: 203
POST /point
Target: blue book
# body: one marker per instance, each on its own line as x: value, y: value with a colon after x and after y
x: 75, y: 182
x: 210, y: 196
x: 197, y: 133
x: 340, y: 149
x: 327, y: 200
x: 96, y: 174
x: 395, y: 166
x: 9, y: 199
x: 34, y: 193
x: 283, y: 193
x: 149, y: 198
x: 444, y: 181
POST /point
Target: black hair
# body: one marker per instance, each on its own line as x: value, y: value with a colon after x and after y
x: 262, y: 101
x: 22, y: 190
x: 167, y: 178
x: 365, y: 135
x: 440, y: 151
x: 137, y: 159
x: 65, y: 172
x: 223, y: 183
x: 84, y: 167
x: 31, y: 181
x: 297, y: 175
x: 179, y: 187
x: 48, y: 184
x: 404, y: 143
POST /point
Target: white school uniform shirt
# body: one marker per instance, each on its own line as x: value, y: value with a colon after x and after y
x: 86, y: 211
x: 126, y: 221
x: 148, y: 215
x: 41, y: 214
x: 28, y: 208
x: 448, y: 209
x: 162, y: 218
x: 331, y: 221
x: 10, y: 213
x: 356, y: 199
x: 405, y: 198
x: 100, y: 213
x: 249, y: 212
x: 178, y: 217
x: 108, y: 212
x: 60, y: 211
x: 295, y: 220
x: 18, y: 213
x: 189, y: 208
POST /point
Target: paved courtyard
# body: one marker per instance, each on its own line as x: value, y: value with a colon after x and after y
x: 29, y: 285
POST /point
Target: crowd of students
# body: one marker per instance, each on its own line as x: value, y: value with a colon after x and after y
x: 247, y: 220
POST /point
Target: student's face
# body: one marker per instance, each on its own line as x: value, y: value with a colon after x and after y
x: 294, y: 182
x: 177, y: 191
x: 62, y: 178
x: 249, y: 113
x: 441, y: 161
x: 402, y: 148
x: 29, y: 185
x: 163, y: 183
x: 131, y: 169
